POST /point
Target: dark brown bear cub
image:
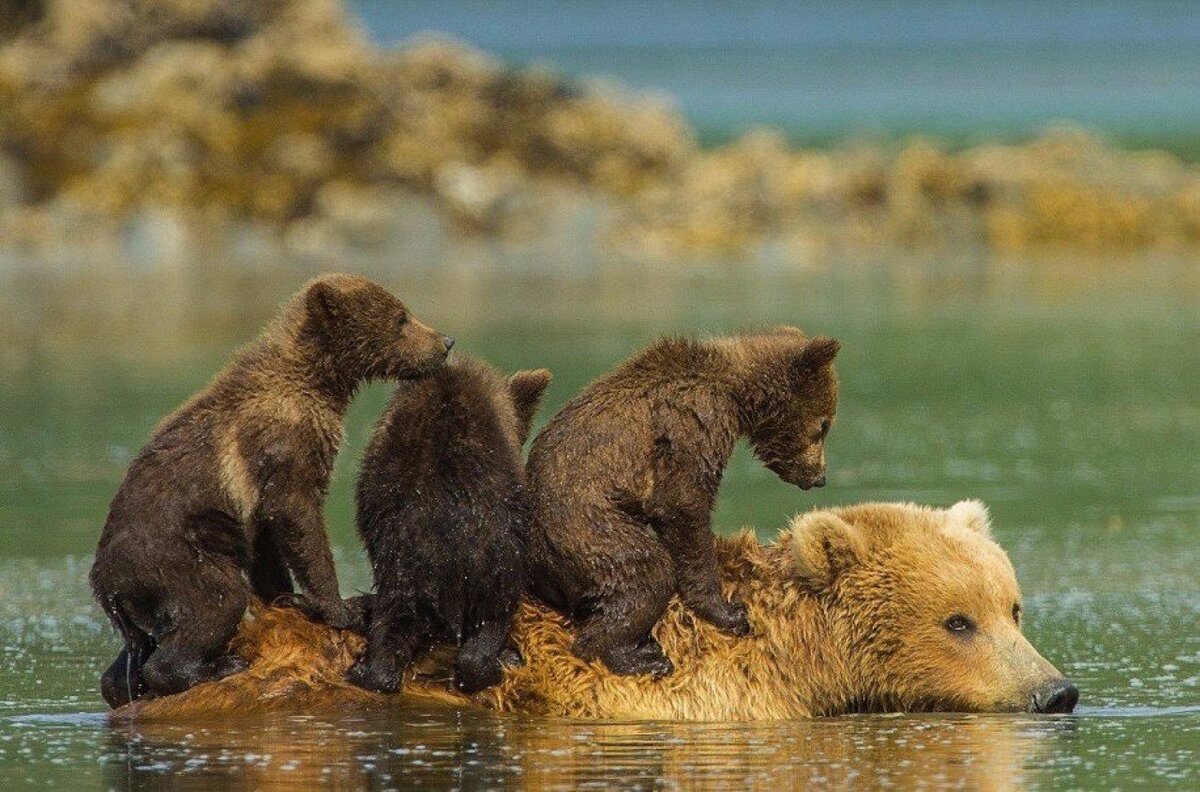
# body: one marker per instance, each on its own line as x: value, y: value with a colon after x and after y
x: 226, y: 500
x: 625, y: 478
x: 444, y: 514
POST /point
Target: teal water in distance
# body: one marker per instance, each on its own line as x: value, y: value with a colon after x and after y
x: 824, y: 71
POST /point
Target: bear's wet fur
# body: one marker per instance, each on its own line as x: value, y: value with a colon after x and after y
x: 625, y: 479
x: 443, y: 512
x: 849, y: 605
x: 225, y: 501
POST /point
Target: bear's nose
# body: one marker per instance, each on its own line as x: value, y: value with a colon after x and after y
x: 819, y: 482
x: 1060, y: 696
x: 449, y: 342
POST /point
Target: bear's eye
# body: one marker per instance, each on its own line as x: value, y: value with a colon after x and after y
x: 960, y: 625
x: 825, y: 424
x: 1017, y: 613
x: 402, y: 319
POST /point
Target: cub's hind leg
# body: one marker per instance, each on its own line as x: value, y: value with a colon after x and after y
x: 269, y: 574
x: 632, y: 580
x: 128, y: 603
x: 199, y: 624
x: 122, y: 682
x: 482, y: 655
x: 393, y: 637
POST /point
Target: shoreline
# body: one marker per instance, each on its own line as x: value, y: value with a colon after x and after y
x: 282, y: 120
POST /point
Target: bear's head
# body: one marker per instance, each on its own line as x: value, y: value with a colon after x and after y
x: 792, y: 403
x: 367, y: 332
x: 923, y: 610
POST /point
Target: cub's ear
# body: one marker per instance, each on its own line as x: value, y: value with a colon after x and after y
x: 823, y: 547
x: 321, y: 303
x: 819, y: 351
x: 971, y: 514
x: 526, y: 389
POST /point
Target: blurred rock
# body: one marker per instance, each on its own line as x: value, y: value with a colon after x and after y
x: 134, y: 116
x: 12, y: 184
x: 489, y: 199
x: 155, y: 236
x: 17, y: 15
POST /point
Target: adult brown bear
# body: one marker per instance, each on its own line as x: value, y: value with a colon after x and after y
x: 871, y: 608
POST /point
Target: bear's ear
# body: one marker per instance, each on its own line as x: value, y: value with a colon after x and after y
x: 526, y: 389
x: 818, y: 352
x: 971, y: 514
x: 321, y: 302
x: 823, y: 546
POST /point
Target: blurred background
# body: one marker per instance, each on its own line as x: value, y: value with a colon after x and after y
x: 994, y: 205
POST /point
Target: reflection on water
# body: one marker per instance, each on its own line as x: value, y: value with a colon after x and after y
x: 473, y: 749
x: 476, y: 751
x: 1062, y: 393
x: 479, y: 750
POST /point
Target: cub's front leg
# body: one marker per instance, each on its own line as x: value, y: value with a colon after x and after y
x: 295, y: 522
x: 690, y: 544
x: 681, y: 516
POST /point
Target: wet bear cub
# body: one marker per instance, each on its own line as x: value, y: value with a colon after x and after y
x: 625, y: 478
x: 225, y: 501
x: 443, y: 512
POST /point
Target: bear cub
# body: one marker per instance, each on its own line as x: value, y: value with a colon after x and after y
x: 443, y: 512
x: 225, y: 501
x: 625, y: 478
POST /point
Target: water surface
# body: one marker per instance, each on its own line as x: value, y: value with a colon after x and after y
x: 1061, y: 393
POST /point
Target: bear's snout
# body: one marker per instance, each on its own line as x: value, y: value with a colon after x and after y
x: 1057, y: 697
x: 810, y: 483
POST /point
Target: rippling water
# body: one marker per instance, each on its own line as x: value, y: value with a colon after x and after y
x: 1062, y: 394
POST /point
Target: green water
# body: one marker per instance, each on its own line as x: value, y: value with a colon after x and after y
x: 1062, y: 394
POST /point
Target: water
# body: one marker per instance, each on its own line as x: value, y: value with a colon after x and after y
x: 824, y: 70
x: 1061, y: 393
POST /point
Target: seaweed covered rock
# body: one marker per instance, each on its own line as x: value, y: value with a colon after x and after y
x: 1063, y: 188
x: 234, y: 111
x: 249, y: 108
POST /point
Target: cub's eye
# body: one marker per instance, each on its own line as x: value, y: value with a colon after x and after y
x: 1017, y: 613
x: 402, y: 319
x: 825, y: 424
x: 960, y: 625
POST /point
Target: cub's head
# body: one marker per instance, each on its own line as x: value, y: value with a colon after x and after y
x: 367, y: 331
x: 925, y: 609
x: 793, y: 404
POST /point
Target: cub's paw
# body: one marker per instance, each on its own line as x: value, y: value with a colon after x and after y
x: 647, y: 658
x: 372, y: 678
x: 359, y: 609
x: 341, y: 615
x: 510, y: 658
x: 229, y: 664
x: 472, y: 679
x: 298, y: 602
x: 122, y: 682
x: 730, y: 617
x: 658, y: 667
